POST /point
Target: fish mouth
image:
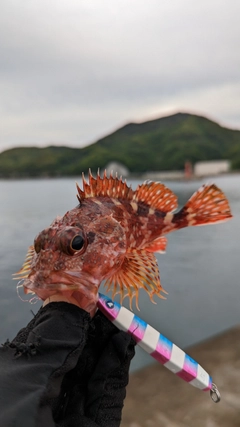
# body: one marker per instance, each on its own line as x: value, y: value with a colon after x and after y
x: 65, y: 283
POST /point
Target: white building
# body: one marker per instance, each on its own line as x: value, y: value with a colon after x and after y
x: 211, y: 167
x: 118, y: 168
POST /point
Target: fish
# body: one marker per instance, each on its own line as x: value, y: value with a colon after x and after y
x: 111, y: 236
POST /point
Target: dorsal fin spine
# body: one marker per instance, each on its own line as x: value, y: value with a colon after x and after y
x: 102, y: 187
x: 156, y: 195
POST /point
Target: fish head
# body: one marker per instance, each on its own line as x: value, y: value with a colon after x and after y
x: 74, y: 255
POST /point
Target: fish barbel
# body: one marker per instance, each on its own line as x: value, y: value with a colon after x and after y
x: 112, y: 235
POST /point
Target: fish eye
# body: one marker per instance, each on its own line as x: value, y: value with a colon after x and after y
x: 73, y: 241
x: 77, y: 243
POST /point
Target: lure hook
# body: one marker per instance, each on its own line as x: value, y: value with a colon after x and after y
x: 215, y: 394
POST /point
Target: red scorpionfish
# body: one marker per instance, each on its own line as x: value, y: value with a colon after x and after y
x: 112, y: 235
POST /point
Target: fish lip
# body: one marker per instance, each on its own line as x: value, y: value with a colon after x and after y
x: 85, y: 293
x: 34, y: 285
x: 60, y: 281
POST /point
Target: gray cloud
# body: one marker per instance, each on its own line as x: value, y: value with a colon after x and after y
x: 73, y: 70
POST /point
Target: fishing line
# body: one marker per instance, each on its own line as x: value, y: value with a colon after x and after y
x: 20, y: 287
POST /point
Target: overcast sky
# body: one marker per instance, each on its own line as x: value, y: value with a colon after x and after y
x: 72, y: 71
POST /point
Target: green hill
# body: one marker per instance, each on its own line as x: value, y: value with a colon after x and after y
x: 157, y: 145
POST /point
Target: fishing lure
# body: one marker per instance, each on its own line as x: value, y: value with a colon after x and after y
x: 158, y: 346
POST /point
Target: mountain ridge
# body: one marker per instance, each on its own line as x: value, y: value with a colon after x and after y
x: 162, y: 144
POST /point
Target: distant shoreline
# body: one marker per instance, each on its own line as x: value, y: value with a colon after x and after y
x: 154, y: 176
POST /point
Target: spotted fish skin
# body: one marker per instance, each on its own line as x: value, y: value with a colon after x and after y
x: 112, y: 235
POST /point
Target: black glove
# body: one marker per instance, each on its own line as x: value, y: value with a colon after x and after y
x: 65, y: 370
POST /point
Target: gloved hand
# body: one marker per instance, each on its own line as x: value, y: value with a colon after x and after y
x: 65, y: 369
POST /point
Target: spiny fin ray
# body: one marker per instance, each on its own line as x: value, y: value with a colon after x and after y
x: 26, y: 267
x: 104, y: 187
x: 158, y: 245
x: 156, y: 195
x: 139, y: 270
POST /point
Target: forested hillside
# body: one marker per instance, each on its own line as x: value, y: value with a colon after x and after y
x: 156, y: 145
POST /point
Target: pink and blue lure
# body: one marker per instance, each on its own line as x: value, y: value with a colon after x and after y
x: 158, y: 346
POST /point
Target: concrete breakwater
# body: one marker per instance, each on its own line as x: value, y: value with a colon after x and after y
x: 156, y: 397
